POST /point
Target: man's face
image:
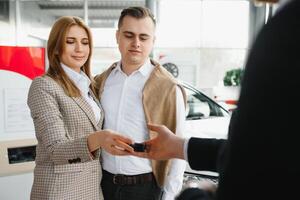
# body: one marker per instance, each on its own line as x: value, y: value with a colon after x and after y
x: 135, y: 38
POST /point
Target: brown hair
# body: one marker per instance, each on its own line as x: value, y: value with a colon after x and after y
x: 136, y: 12
x: 55, y: 46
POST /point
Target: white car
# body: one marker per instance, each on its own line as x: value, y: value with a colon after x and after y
x: 205, y: 119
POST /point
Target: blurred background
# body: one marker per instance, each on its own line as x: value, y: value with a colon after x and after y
x: 204, y: 38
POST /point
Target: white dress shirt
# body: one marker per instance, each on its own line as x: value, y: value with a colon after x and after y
x: 123, y: 104
x: 82, y: 81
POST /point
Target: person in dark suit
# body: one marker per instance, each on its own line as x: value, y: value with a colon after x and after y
x: 260, y: 157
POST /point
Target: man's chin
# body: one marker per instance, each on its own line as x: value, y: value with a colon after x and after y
x: 136, y: 61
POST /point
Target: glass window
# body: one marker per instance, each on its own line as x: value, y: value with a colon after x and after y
x: 204, y: 38
x: 225, y: 23
x: 4, y: 10
x: 206, y: 23
x: 37, y: 17
x: 179, y: 23
x: 7, y: 23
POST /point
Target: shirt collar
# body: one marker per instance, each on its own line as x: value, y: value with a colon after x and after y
x: 145, y: 69
x: 80, y: 79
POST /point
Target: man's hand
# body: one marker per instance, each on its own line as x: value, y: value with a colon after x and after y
x: 165, y: 146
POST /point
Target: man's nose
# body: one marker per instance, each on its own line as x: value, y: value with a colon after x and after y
x: 136, y: 42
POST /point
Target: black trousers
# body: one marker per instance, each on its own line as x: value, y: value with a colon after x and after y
x: 145, y: 191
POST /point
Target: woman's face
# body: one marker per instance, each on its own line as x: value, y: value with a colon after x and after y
x: 76, y: 48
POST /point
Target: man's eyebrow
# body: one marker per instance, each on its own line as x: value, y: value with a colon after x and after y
x: 131, y: 33
x: 128, y: 32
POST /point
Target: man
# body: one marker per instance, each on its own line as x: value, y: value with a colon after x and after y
x: 261, y: 156
x: 134, y: 92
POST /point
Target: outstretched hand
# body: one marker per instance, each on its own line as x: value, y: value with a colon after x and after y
x: 165, y: 146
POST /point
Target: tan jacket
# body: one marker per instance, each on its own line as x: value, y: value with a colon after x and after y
x: 159, y: 101
x: 64, y: 167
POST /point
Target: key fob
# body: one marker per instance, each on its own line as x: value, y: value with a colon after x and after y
x: 138, y: 147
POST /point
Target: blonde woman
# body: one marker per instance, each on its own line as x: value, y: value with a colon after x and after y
x: 68, y: 119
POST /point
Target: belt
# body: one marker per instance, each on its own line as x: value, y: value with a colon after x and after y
x: 121, y: 179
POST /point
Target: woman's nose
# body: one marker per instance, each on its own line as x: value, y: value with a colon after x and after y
x: 78, y: 47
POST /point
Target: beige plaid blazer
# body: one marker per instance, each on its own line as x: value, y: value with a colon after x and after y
x: 64, y: 167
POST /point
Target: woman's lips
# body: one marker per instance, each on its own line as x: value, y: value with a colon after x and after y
x: 78, y: 57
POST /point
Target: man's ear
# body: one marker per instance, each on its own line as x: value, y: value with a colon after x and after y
x: 117, y: 36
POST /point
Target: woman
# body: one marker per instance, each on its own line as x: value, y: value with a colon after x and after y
x: 68, y: 118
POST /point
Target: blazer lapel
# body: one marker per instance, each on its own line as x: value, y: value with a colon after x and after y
x: 83, y: 104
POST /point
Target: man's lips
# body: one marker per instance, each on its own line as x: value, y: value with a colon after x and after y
x: 134, y: 51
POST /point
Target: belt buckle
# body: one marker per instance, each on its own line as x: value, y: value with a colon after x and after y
x: 121, y: 182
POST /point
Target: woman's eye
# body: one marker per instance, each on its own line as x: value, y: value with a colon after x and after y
x: 69, y: 41
x: 85, y: 42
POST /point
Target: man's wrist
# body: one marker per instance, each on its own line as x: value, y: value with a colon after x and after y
x: 179, y: 148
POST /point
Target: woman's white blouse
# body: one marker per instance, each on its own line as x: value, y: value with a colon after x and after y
x: 83, y: 82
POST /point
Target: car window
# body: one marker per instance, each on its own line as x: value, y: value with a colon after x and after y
x: 200, y: 106
x: 196, y: 109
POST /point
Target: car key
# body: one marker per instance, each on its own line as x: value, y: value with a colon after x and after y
x: 138, y: 147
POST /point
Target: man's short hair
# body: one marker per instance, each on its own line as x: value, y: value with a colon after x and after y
x: 136, y: 12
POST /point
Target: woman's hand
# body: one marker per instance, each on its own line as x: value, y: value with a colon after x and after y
x: 110, y: 141
x: 115, y: 143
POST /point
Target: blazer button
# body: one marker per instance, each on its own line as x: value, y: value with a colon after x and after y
x: 77, y: 160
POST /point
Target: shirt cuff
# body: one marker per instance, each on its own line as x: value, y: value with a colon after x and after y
x: 185, y: 149
x: 167, y: 196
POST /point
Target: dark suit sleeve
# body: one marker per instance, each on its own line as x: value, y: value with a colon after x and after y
x: 203, y: 153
